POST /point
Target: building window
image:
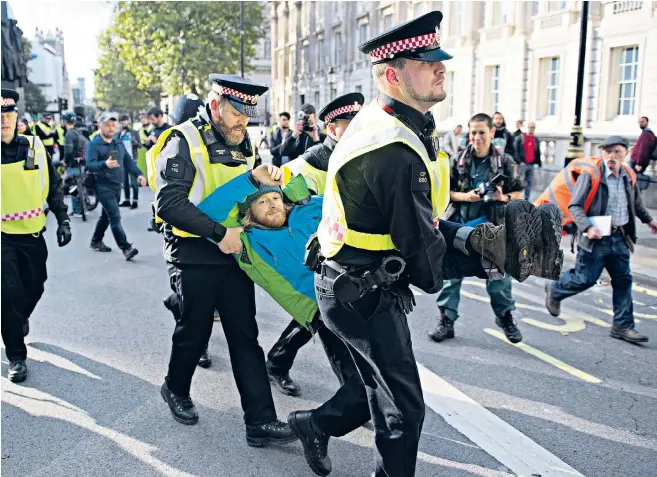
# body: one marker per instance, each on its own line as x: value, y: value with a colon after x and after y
x: 359, y: 89
x: 500, y: 10
x: 333, y: 93
x: 337, y: 48
x: 267, y: 48
x: 316, y: 99
x: 387, y: 21
x: 556, y: 6
x: 535, y: 6
x: 455, y: 18
x: 493, y: 82
x: 293, y: 63
x: 552, y: 86
x: 362, y: 32
x: 320, y: 53
x: 629, y: 64
x: 419, y: 9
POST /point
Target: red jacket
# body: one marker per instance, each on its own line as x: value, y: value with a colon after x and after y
x: 642, y: 150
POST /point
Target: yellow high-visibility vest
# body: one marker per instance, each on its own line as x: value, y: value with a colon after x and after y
x: 47, y: 131
x: 372, y: 129
x: 25, y: 192
x: 60, y: 136
x: 208, y: 176
x: 94, y: 134
x: 315, y: 178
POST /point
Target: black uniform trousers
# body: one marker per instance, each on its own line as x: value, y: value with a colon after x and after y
x: 23, y: 276
x: 201, y: 289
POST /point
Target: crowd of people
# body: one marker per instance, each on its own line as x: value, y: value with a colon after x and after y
x: 336, y: 230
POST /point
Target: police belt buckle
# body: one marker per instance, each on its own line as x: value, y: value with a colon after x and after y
x: 349, y: 289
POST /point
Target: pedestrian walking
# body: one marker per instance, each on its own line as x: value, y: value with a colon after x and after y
x: 645, y: 149
x: 130, y: 139
x: 605, y: 192
x: 30, y: 185
x: 106, y: 158
x: 528, y: 150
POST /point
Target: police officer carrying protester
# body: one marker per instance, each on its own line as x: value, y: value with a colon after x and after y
x: 377, y: 237
x: 483, y: 181
x: 192, y: 160
x: 30, y: 186
x: 615, y: 194
x: 312, y: 165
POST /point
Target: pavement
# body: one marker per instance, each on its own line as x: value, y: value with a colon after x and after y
x: 567, y: 401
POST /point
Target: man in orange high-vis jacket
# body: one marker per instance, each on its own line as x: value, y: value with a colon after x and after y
x: 617, y: 197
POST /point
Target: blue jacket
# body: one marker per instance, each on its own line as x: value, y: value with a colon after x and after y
x: 279, y: 250
x: 98, y: 151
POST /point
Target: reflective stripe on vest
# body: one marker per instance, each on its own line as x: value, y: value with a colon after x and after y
x: 208, y: 176
x: 94, y: 134
x: 315, y: 178
x: 24, y: 193
x: 47, y: 131
x: 371, y: 129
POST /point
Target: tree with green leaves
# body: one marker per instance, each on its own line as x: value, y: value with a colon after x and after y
x: 158, y: 41
x: 35, y: 101
x: 116, y: 87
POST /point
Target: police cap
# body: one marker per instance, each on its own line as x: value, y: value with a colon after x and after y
x: 242, y: 93
x: 10, y: 99
x: 343, y: 107
x: 187, y: 107
x: 417, y: 39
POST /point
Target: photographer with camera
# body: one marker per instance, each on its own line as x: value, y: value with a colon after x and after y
x: 483, y: 181
x: 305, y: 135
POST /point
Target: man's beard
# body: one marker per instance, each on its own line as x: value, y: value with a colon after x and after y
x: 424, y: 98
x: 274, y: 221
x: 232, y: 136
x: 111, y: 136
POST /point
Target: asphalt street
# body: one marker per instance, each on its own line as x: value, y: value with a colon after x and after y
x: 99, y: 347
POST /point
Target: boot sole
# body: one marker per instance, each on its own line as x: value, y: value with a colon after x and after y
x: 522, y: 227
x: 132, y: 254
x: 292, y: 421
x: 551, y: 233
x: 281, y: 388
x: 187, y: 422
x: 448, y: 336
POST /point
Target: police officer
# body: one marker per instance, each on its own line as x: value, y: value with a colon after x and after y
x: 30, y: 185
x: 476, y: 169
x: 192, y: 160
x: 312, y: 165
x: 44, y: 130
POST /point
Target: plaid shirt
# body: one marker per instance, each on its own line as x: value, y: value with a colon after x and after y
x: 617, y: 205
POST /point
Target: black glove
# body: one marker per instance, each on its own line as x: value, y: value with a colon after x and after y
x: 405, y: 298
x: 64, y: 234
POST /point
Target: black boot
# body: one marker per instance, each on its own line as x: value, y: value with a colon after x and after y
x: 508, y: 325
x: 511, y: 247
x: 274, y: 432
x: 315, y: 443
x: 134, y: 205
x: 99, y: 247
x: 125, y: 203
x: 17, y: 372
x: 205, y: 361
x: 444, y: 330
x: 284, y: 382
x: 182, y: 408
x: 549, y: 259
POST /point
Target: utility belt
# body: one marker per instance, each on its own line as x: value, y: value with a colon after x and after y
x: 349, y: 284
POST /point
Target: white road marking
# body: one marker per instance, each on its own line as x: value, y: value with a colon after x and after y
x: 502, y: 441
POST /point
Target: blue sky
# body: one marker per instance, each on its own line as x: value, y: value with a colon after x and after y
x: 80, y: 21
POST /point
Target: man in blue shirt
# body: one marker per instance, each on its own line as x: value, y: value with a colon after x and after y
x: 106, y: 158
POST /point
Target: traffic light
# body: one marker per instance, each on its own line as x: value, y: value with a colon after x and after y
x: 65, y: 104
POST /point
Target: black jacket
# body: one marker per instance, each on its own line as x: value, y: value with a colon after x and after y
x: 275, y: 146
x: 293, y: 147
x: 98, y: 151
x: 74, y: 146
x: 175, y: 177
x: 16, y: 151
x: 155, y: 131
x: 318, y: 156
x: 382, y: 194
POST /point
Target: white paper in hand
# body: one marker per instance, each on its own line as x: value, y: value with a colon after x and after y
x: 602, y: 223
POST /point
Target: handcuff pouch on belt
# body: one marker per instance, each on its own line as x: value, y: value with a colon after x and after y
x: 313, y: 258
x: 349, y: 289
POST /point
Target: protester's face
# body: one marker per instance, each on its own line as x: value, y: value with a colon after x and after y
x: 423, y: 81
x: 269, y: 210
x: 22, y: 127
x: 498, y: 119
x: 338, y: 127
x: 458, y: 131
x: 152, y: 119
x: 108, y: 128
x: 125, y: 123
x: 614, y: 156
x: 531, y: 128
x: 144, y: 120
x: 229, y: 121
x: 518, y: 124
x: 481, y: 136
x: 9, y: 125
x: 643, y: 123
x: 284, y: 122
